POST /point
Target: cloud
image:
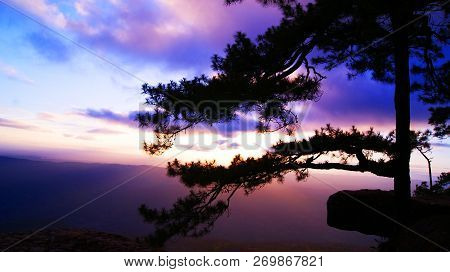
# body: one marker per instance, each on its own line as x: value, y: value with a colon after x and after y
x: 84, y: 138
x: 12, y: 73
x: 82, y: 7
x: 45, y: 116
x: 446, y: 145
x: 14, y: 124
x: 48, y: 13
x: 110, y: 116
x: 79, y: 137
x: 359, y: 101
x: 227, y: 129
x: 173, y: 33
x: 216, y: 145
x: 104, y: 131
x: 178, y: 33
x: 227, y: 144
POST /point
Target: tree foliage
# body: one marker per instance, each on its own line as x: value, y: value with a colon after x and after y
x: 281, y: 66
x: 212, y: 186
x: 441, y: 187
x: 284, y: 65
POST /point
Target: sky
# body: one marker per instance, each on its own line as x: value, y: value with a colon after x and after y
x: 71, y: 72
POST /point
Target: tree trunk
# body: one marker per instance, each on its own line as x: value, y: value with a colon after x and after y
x: 402, y: 181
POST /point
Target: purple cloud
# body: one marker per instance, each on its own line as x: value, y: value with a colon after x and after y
x: 176, y: 33
x: 110, y: 116
x: 173, y: 33
x: 14, y: 124
x: 360, y: 101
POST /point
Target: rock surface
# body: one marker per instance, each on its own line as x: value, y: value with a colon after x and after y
x: 366, y: 211
x: 69, y: 240
x: 425, y: 228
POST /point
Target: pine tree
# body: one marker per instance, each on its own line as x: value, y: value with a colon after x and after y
x: 397, y: 41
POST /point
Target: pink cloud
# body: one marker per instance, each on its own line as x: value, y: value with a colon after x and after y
x: 12, y: 73
x: 173, y: 32
x: 49, y: 13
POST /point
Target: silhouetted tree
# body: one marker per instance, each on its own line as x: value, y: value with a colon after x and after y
x: 398, y: 42
x: 250, y: 78
x: 192, y: 216
x: 441, y: 187
x: 382, y: 37
x: 212, y: 186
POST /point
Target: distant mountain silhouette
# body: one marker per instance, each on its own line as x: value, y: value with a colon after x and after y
x: 34, y: 193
